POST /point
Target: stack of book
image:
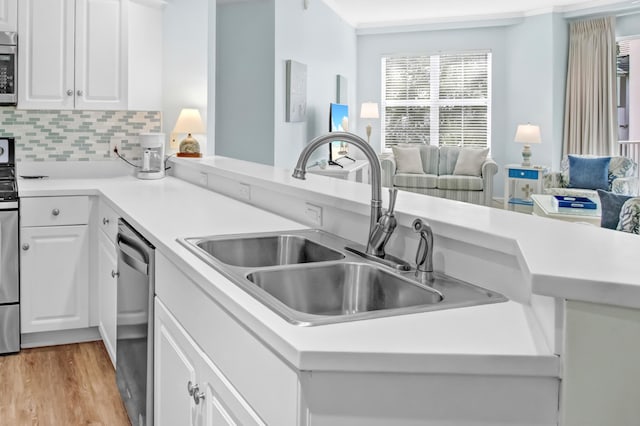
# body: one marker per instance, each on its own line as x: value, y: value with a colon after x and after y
x: 565, y: 202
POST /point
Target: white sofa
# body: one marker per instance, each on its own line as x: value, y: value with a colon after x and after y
x: 438, y: 179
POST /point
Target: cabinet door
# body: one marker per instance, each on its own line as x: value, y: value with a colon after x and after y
x: 178, y: 361
x: 100, y: 54
x: 108, y: 283
x: 54, y: 281
x: 222, y: 404
x: 9, y: 15
x: 45, y: 59
x: 174, y: 369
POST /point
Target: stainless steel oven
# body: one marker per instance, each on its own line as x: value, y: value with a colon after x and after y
x: 134, y: 346
x: 8, y: 68
x: 9, y: 263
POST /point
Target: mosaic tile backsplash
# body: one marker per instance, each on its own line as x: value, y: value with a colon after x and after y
x: 76, y: 135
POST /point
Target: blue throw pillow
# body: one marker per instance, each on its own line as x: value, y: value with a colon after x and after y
x: 610, y: 204
x: 589, y: 172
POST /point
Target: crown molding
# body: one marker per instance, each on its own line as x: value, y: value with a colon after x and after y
x: 584, y: 9
x: 442, y: 24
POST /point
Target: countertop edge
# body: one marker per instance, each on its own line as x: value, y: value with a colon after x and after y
x: 303, y: 359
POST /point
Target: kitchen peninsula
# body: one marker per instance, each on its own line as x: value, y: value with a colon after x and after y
x: 489, y: 364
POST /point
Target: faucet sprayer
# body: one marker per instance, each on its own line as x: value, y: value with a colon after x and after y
x: 424, y: 254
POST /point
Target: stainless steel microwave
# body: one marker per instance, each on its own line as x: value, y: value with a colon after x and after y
x: 8, y: 68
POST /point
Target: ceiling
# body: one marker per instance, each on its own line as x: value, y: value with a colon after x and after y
x: 385, y: 13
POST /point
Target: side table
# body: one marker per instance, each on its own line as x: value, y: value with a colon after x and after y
x: 356, y: 171
x: 520, y: 182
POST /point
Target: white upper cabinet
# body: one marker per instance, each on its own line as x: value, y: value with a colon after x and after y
x: 9, y: 15
x: 75, y: 54
x: 45, y: 54
x: 100, y: 60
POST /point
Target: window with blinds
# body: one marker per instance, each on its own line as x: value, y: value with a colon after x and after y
x: 442, y: 99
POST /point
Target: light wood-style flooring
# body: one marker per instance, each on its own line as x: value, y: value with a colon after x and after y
x: 64, y: 385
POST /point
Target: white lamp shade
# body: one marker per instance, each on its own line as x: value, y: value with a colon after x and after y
x: 189, y: 121
x: 369, y: 110
x: 528, y: 133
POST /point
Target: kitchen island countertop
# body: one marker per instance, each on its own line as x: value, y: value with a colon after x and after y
x: 502, y: 338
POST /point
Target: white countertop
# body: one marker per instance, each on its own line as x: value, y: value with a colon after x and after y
x: 565, y: 260
x: 499, y: 338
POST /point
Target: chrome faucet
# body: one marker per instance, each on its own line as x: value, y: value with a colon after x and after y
x: 381, y: 232
x: 424, y: 254
x: 380, y: 227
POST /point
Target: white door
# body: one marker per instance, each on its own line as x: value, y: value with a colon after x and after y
x: 174, y: 371
x: 100, y: 54
x: 9, y: 15
x: 54, y: 281
x: 108, y: 283
x: 46, y: 53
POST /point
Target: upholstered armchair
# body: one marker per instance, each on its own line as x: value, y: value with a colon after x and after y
x: 630, y: 216
x: 622, y: 179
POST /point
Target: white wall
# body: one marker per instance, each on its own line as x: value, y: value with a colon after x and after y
x: 528, y: 67
x: 324, y: 42
x: 186, y: 62
x: 628, y: 25
x: 537, y: 52
x: 210, y: 114
x: 245, y: 81
x: 145, y: 32
x: 634, y: 90
x: 255, y: 39
x: 371, y: 48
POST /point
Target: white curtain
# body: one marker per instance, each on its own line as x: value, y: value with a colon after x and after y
x: 590, y: 117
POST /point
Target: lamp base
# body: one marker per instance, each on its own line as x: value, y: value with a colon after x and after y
x: 369, y: 134
x: 526, y: 156
x: 189, y: 146
x: 189, y: 154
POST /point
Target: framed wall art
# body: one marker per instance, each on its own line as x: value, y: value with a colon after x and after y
x: 341, y: 89
x: 296, y: 96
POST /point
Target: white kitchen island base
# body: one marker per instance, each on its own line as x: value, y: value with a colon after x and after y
x: 483, y: 365
x: 262, y: 384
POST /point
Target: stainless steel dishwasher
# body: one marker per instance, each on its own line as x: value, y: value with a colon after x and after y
x: 134, y: 353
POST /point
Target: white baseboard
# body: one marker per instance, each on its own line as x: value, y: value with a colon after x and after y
x: 62, y: 337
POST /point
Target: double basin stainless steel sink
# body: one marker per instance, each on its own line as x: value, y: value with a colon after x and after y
x: 309, y: 278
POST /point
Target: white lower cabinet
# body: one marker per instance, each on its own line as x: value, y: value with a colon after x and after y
x: 54, y: 278
x: 189, y: 388
x: 107, y: 290
x: 600, y: 366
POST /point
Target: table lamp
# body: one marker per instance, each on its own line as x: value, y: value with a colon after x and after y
x: 369, y: 110
x: 189, y: 122
x: 527, y: 134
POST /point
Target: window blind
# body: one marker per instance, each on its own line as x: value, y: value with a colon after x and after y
x: 442, y: 99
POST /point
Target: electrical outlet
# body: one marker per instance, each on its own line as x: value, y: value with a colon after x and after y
x: 313, y: 214
x: 203, y: 179
x: 244, y: 191
x: 114, y: 143
x: 173, y: 142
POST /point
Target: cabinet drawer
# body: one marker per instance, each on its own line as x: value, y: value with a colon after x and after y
x: 53, y: 211
x: 108, y: 221
x: 523, y: 174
